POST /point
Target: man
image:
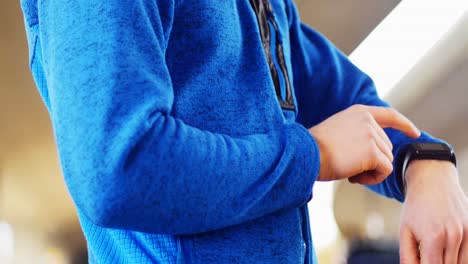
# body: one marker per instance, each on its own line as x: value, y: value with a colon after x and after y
x: 181, y: 129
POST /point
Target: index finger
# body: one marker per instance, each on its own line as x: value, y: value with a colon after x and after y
x: 389, y: 117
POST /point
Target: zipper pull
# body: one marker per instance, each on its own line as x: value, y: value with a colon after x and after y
x: 268, y: 9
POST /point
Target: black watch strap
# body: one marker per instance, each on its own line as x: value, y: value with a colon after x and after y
x: 421, y: 151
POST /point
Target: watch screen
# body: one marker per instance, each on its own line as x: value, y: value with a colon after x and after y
x: 430, y: 146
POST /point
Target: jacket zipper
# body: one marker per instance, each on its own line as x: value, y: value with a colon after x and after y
x: 266, y: 17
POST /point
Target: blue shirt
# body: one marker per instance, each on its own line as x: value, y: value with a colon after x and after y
x: 171, y: 137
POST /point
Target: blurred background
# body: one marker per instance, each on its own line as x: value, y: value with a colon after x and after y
x: 416, y: 51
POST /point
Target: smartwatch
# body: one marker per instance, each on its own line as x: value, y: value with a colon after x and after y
x: 422, y: 151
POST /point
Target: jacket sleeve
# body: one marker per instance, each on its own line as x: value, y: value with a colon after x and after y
x: 326, y: 82
x: 127, y: 162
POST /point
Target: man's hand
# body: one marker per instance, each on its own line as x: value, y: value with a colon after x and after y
x: 434, y: 220
x: 353, y: 144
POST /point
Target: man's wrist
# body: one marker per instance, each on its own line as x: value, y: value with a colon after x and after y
x: 421, y: 151
x: 419, y: 171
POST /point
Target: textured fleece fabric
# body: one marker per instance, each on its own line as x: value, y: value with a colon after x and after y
x: 171, y: 139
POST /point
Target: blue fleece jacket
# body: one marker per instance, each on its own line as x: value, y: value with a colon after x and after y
x: 171, y: 139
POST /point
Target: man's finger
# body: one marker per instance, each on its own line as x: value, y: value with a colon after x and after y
x: 382, y: 144
x: 383, y: 135
x: 383, y: 167
x: 388, y: 117
x: 454, y: 240
x: 409, y: 251
x: 366, y: 178
x: 463, y: 252
x: 432, y: 251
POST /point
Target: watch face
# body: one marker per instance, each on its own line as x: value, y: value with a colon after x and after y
x: 432, y: 147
